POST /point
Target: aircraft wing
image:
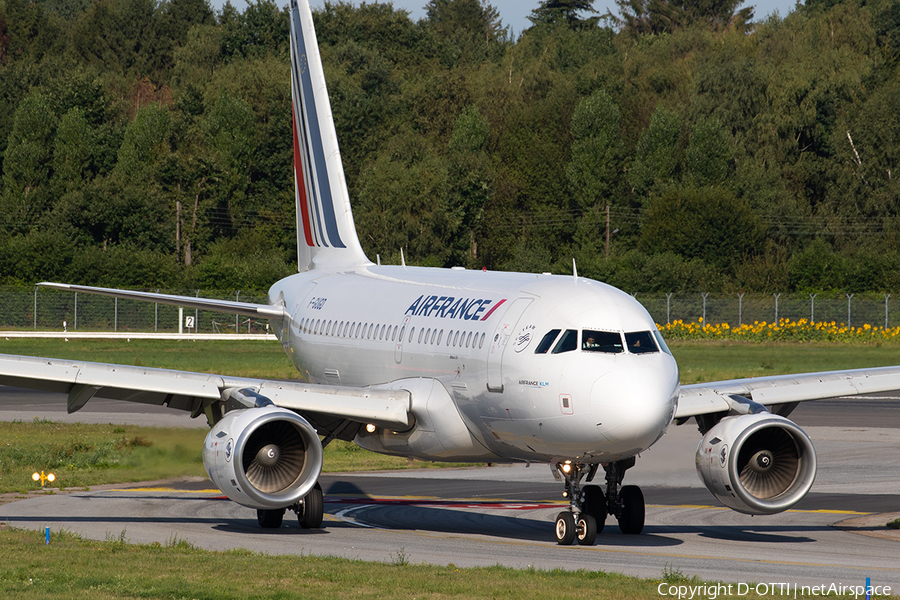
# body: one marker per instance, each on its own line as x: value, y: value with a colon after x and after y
x: 704, y: 398
x: 247, y: 309
x: 194, y: 392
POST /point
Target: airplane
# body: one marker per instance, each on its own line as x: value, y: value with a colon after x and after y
x: 454, y: 365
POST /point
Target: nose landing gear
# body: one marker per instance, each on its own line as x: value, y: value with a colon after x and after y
x: 589, y: 506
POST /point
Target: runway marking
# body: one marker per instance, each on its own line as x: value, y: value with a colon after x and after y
x: 344, y: 516
x: 825, y: 511
x: 165, y: 489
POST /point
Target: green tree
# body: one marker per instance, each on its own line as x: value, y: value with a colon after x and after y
x: 471, y: 179
x: 27, y: 162
x: 27, y: 31
x: 198, y: 58
x: 656, y: 156
x: 126, y: 36
x: 261, y: 29
x: 592, y: 171
x: 467, y: 29
x: 180, y: 15
x: 660, y: 16
x: 553, y: 12
x: 230, y: 127
x: 708, y: 156
x: 377, y: 26
x: 145, y: 146
x: 710, y: 224
x: 72, y: 150
x: 403, y: 204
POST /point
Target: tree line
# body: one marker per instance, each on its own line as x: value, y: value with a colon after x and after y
x: 664, y: 146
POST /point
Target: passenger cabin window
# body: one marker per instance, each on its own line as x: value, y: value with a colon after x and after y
x: 567, y: 342
x: 640, y: 342
x: 609, y: 342
x: 546, y: 342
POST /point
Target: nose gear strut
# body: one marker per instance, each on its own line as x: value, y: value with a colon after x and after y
x: 589, y: 506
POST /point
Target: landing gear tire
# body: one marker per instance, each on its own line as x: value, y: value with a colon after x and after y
x: 270, y: 519
x: 595, y: 505
x: 312, y: 509
x: 565, y: 529
x: 631, y: 517
x: 586, y: 530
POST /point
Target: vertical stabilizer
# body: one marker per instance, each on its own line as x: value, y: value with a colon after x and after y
x: 326, y: 234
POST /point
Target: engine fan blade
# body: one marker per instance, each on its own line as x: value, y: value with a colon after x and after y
x: 274, y: 456
x: 767, y: 481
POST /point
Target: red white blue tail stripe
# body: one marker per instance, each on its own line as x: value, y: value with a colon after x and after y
x: 324, y: 220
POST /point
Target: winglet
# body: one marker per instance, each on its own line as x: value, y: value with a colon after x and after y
x: 326, y: 234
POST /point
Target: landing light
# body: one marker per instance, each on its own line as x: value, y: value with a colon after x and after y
x: 370, y: 428
x: 567, y: 467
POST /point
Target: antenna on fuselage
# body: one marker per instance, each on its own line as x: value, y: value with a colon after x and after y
x: 402, y: 260
x: 378, y: 259
x: 574, y: 271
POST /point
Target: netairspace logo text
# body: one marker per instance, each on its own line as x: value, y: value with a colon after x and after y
x: 713, y: 591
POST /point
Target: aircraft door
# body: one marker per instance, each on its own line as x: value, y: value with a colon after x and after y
x: 292, y: 338
x: 398, y: 346
x: 499, y: 341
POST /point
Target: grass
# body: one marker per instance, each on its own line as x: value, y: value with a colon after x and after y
x: 251, y: 358
x: 84, y: 455
x: 74, y: 568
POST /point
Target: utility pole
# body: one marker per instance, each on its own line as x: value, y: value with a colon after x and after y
x: 607, y: 231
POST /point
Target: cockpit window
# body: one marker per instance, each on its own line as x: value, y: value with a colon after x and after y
x: 662, y: 343
x: 640, y: 342
x: 546, y: 341
x: 609, y: 342
x: 567, y: 342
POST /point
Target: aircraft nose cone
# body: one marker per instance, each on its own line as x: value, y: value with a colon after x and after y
x: 634, y: 405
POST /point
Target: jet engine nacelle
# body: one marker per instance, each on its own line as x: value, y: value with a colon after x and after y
x: 758, y: 464
x: 266, y: 457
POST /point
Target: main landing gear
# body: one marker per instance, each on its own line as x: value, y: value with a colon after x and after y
x: 310, y: 511
x: 588, y: 506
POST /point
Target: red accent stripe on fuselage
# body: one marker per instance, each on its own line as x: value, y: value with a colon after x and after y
x: 490, y: 312
x: 301, y: 186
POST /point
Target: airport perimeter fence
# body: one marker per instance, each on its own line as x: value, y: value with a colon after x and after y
x: 46, y: 309
x: 875, y: 309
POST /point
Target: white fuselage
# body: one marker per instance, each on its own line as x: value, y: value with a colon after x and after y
x: 478, y: 334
